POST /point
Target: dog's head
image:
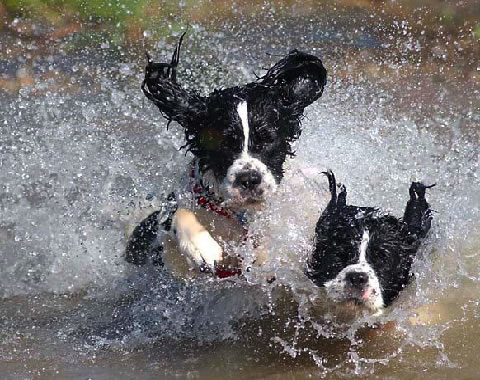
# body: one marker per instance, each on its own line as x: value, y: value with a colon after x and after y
x: 241, y: 136
x: 348, y: 269
x: 362, y: 256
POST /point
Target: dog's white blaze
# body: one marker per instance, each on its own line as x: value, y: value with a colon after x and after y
x: 363, y: 246
x: 242, y: 110
x: 243, y: 162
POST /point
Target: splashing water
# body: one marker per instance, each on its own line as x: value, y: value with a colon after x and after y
x: 77, y: 164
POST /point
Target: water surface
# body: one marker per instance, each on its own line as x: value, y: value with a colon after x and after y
x: 82, y: 151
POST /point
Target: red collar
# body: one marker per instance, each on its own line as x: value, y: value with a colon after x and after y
x: 206, y: 199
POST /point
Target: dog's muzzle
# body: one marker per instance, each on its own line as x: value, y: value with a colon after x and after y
x: 249, y: 183
x: 248, y: 180
x: 356, y: 280
x: 357, y: 285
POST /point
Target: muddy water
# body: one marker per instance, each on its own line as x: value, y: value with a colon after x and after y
x: 82, y: 152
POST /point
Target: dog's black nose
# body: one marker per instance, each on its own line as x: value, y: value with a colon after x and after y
x: 358, y: 280
x: 249, y: 180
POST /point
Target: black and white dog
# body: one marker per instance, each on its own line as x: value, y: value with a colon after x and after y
x: 240, y: 138
x: 363, y: 257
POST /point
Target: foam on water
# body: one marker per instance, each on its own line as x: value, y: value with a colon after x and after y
x: 76, y: 168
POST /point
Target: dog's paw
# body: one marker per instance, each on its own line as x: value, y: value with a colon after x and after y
x: 204, y: 250
x: 194, y: 241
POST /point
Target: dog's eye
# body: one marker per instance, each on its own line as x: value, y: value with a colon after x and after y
x: 266, y: 136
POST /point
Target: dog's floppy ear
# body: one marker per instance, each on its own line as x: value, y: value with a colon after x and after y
x: 161, y: 87
x: 300, y: 78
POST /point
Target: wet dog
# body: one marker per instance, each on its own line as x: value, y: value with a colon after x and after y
x: 362, y: 256
x: 240, y: 138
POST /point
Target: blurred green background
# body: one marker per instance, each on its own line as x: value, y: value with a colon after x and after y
x: 125, y: 20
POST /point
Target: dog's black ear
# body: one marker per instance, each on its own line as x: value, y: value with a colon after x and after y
x: 161, y: 87
x: 300, y: 78
x: 336, y: 202
x: 332, y: 185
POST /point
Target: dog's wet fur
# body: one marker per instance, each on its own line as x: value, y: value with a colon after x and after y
x: 240, y: 136
x: 363, y: 257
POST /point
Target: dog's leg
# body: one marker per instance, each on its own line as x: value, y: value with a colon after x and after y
x: 417, y: 214
x: 261, y: 257
x: 141, y: 239
x: 194, y: 241
x: 140, y: 246
x: 261, y: 252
